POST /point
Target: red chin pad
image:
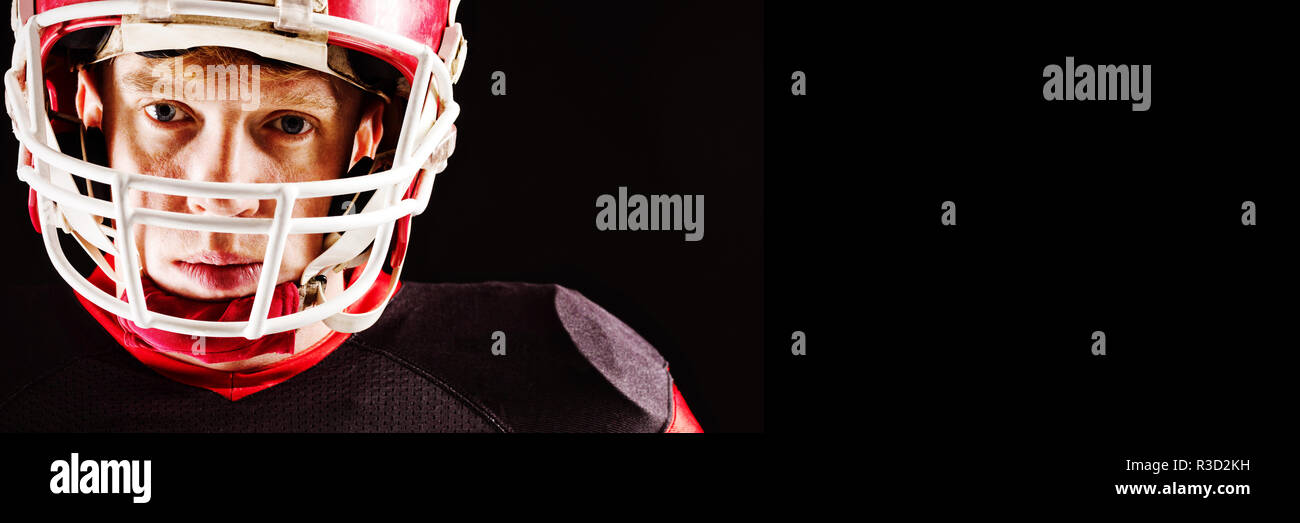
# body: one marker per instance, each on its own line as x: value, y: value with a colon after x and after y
x: 284, y: 301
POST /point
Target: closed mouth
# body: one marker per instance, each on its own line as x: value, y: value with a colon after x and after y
x: 221, y: 271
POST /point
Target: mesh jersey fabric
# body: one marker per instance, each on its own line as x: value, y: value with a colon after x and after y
x: 426, y: 366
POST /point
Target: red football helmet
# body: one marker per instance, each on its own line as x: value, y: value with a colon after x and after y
x: 408, y: 51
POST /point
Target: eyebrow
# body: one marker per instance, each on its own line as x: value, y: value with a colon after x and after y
x: 142, y: 80
x: 306, y: 99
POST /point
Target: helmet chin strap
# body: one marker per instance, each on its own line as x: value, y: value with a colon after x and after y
x: 342, y: 250
x: 352, y: 248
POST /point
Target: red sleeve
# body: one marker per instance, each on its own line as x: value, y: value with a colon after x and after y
x: 682, y: 419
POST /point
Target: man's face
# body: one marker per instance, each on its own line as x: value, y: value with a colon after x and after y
x: 306, y: 126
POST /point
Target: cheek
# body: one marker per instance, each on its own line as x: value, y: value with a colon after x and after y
x: 136, y: 149
x: 154, y: 243
x: 125, y: 149
x: 300, y: 250
x: 303, y: 248
x: 327, y: 160
x: 157, y: 246
x: 157, y: 201
x: 311, y: 208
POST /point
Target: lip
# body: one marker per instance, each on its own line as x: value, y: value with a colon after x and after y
x: 219, y: 258
x: 221, y: 270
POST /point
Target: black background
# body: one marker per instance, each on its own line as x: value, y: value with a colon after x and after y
x: 963, y: 353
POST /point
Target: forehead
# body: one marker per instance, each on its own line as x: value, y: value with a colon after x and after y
x: 276, y: 83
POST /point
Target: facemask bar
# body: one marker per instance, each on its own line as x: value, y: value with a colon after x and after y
x: 416, y: 144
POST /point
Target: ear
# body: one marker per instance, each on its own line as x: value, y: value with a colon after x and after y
x: 90, y: 107
x: 369, y: 132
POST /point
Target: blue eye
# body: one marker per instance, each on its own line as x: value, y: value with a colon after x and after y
x: 162, y: 112
x: 294, y: 125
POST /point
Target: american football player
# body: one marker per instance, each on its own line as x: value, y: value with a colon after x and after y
x: 242, y: 177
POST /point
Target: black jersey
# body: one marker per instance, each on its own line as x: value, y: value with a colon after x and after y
x: 427, y: 365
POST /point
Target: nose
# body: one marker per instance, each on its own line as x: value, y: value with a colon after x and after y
x: 223, y: 207
x: 228, y: 161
